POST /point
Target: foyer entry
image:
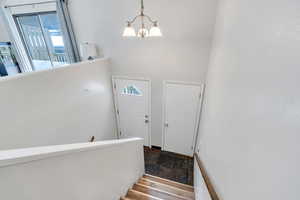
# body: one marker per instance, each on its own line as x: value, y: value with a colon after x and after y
x: 181, y: 110
x: 132, y: 103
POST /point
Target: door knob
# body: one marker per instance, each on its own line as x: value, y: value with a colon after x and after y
x: 166, y: 125
x: 146, y: 121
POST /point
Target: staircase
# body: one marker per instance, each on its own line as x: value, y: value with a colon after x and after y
x: 154, y: 188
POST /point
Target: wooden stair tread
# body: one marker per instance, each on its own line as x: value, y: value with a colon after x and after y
x: 167, y: 188
x: 155, y: 188
x: 157, y: 193
x: 136, y: 195
x: 169, y: 182
x: 125, y: 198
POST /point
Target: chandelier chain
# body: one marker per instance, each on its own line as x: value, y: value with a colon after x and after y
x: 142, y: 7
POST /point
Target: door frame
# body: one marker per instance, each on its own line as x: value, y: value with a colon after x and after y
x: 199, y: 108
x: 116, y: 103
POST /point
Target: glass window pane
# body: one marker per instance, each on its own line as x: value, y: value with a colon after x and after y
x: 32, y: 35
x: 54, y: 38
x: 132, y: 90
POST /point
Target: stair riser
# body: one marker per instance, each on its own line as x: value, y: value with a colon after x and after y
x: 135, y: 195
x: 157, y: 193
x: 170, y: 183
x: 167, y: 188
x: 154, y: 188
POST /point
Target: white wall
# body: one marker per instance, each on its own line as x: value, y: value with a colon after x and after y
x: 80, y: 171
x: 182, y: 54
x: 249, y: 138
x: 64, y: 105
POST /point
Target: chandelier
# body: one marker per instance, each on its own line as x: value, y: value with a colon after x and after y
x: 143, y: 32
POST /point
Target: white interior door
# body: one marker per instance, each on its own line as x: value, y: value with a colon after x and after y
x: 133, y: 108
x: 181, y: 116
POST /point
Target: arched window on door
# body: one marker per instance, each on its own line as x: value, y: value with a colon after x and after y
x: 132, y: 90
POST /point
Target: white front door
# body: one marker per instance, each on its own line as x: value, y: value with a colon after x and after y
x: 181, y: 116
x: 132, y: 98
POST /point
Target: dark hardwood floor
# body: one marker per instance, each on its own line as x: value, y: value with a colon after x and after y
x: 169, y: 165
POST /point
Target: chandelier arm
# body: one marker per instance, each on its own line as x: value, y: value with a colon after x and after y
x: 149, y: 18
x: 134, y: 19
x: 143, y: 31
x: 142, y: 15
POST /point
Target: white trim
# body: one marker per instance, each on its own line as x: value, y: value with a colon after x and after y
x: 62, y: 67
x: 116, y: 106
x: 165, y: 82
x: 18, y: 156
x: 196, y: 135
x: 163, y: 127
x: 117, y: 103
x: 37, y: 8
x: 182, y: 82
x: 131, y: 78
x: 22, y: 57
x: 150, y: 113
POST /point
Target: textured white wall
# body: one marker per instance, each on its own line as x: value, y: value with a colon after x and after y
x: 87, y: 173
x: 249, y: 138
x: 182, y: 54
x: 60, y: 106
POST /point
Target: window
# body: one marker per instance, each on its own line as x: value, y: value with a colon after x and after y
x: 43, y: 39
x: 8, y: 62
x: 41, y: 34
x: 132, y: 91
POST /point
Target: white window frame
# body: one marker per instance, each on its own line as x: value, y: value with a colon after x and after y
x: 9, y: 12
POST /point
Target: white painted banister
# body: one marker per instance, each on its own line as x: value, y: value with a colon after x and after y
x: 89, y: 171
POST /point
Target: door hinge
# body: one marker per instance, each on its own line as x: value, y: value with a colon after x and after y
x: 192, y: 147
x: 118, y: 112
x: 115, y: 86
x: 120, y: 133
x: 200, y: 95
